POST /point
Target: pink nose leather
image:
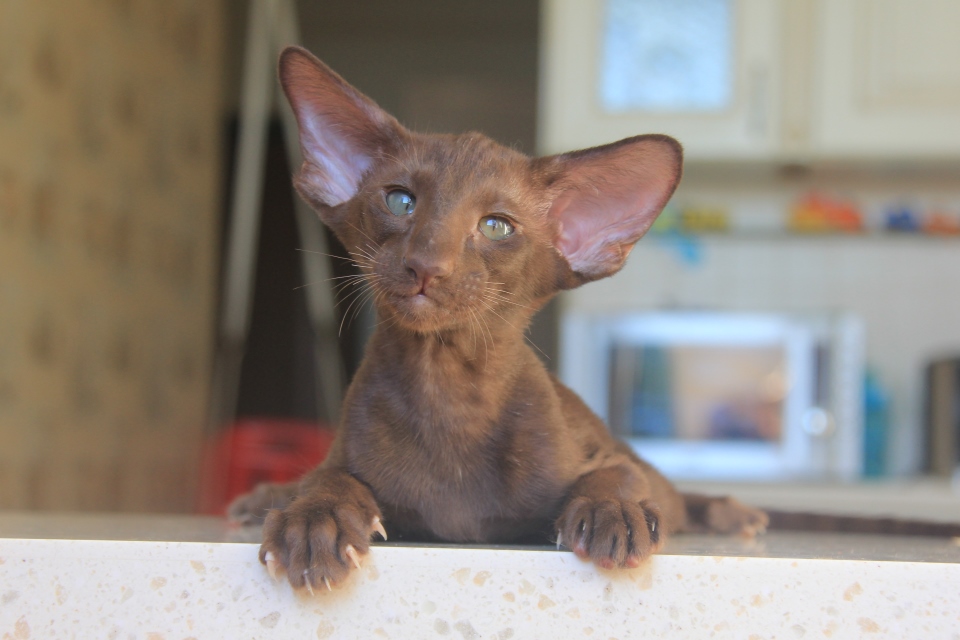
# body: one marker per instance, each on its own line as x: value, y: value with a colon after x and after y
x: 426, y: 270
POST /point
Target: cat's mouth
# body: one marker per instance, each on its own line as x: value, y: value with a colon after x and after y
x: 439, y: 304
x: 422, y: 310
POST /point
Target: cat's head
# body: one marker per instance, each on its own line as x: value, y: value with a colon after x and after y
x: 451, y: 228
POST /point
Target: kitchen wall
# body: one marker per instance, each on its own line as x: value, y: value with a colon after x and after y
x: 109, y: 193
x: 905, y: 287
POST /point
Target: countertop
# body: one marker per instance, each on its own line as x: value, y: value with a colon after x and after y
x: 177, y: 577
x: 204, y: 529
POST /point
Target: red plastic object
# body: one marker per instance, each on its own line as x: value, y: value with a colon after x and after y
x: 255, y: 450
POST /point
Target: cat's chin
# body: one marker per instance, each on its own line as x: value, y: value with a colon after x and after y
x: 421, y: 314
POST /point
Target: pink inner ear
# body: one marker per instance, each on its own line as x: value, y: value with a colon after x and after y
x: 611, y: 196
x: 340, y: 129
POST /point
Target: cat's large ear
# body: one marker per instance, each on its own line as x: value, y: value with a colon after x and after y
x: 341, y: 130
x: 605, y: 198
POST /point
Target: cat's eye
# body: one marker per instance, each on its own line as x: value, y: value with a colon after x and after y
x: 400, y: 202
x: 496, y: 228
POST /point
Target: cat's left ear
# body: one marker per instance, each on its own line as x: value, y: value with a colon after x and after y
x: 605, y: 198
x: 342, y: 131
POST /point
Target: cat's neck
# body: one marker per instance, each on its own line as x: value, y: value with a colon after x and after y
x: 450, y: 386
x: 478, y: 350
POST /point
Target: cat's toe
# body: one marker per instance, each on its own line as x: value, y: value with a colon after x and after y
x: 729, y: 515
x: 611, y: 533
x: 317, y: 541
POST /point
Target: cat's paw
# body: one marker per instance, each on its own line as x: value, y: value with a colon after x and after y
x: 320, y: 537
x: 251, y: 509
x: 612, y: 533
x: 730, y: 516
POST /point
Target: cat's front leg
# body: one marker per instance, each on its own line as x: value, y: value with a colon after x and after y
x: 710, y: 514
x: 250, y: 509
x: 321, y: 535
x: 605, y: 519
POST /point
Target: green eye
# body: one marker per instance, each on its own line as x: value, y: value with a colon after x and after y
x: 400, y: 202
x: 496, y: 228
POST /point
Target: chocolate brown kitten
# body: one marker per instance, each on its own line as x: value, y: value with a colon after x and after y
x: 452, y: 428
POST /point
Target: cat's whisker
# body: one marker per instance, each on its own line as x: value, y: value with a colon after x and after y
x: 350, y: 295
x: 363, y: 263
x: 347, y: 312
x: 366, y: 299
x: 476, y: 320
x: 363, y: 277
x: 398, y: 161
x: 491, y: 297
x: 315, y: 282
x: 526, y: 337
x: 320, y: 253
x: 490, y: 333
x: 352, y: 275
x: 343, y: 286
x: 360, y: 253
x: 473, y: 334
x: 362, y: 232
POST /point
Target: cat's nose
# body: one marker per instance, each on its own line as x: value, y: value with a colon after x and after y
x: 426, y: 270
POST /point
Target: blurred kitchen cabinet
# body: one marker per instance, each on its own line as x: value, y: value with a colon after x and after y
x: 703, y: 71
x: 781, y: 80
x: 887, y: 78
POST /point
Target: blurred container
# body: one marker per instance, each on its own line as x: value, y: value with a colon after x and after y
x: 942, y: 390
x: 705, y: 220
x: 816, y: 213
x: 903, y: 219
x: 939, y: 223
x: 876, y: 426
x: 255, y: 450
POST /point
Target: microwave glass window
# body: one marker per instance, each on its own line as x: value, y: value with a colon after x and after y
x: 707, y: 393
x: 667, y: 55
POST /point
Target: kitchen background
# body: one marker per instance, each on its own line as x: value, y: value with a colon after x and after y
x: 822, y: 176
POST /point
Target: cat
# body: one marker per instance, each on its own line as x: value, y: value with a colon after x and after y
x: 452, y: 429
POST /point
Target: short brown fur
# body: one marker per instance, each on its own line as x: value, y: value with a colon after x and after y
x: 452, y: 428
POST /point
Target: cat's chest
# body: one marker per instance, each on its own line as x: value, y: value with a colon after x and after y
x: 457, y: 491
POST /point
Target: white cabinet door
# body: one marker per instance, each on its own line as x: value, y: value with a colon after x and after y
x: 887, y: 79
x: 576, y: 114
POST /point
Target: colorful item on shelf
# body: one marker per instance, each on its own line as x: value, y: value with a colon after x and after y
x: 876, y: 426
x: 667, y: 222
x: 939, y: 223
x: 815, y: 213
x: 704, y: 220
x: 902, y: 219
x: 667, y: 229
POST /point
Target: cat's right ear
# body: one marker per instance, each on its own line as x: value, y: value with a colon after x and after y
x: 342, y: 131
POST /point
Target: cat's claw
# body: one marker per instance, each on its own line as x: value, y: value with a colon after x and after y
x: 559, y: 540
x: 351, y: 553
x: 378, y: 527
x: 326, y: 581
x: 306, y: 578
x: 272, y: 565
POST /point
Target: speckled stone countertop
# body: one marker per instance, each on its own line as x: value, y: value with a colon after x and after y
x: 159, y: 577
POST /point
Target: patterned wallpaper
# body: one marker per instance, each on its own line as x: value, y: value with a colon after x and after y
x: 109, y: 192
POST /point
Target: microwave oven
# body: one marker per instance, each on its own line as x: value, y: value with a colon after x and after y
x: 732, y: 396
